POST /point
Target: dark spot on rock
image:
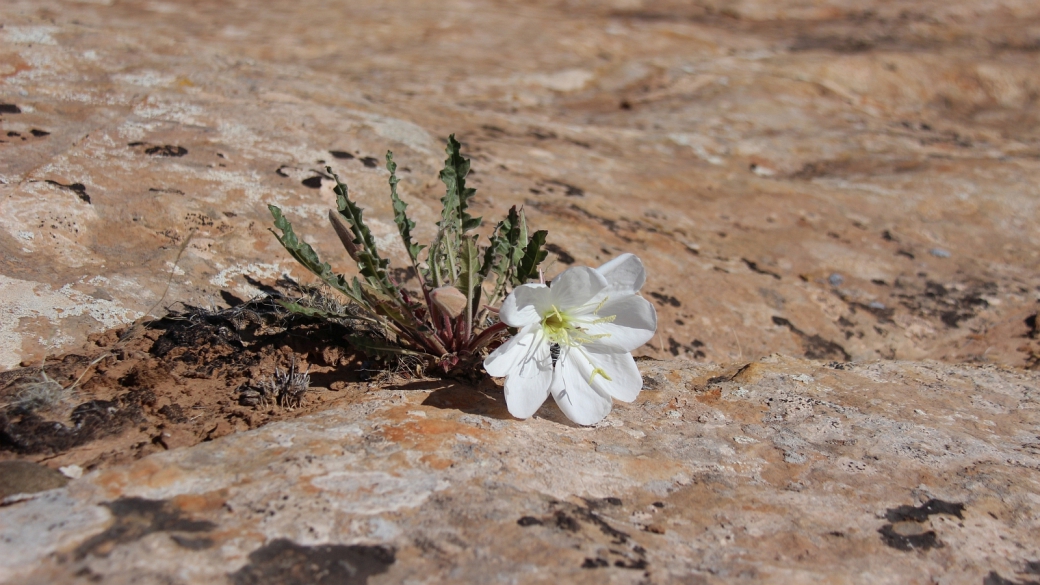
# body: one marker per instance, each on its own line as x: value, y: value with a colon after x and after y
x: 529, y: 521
x: 753, y: 266
x: 658, y: 504
x: 664, y: 299
x: 922, y: 512
x: 370, y: 162
x: 612, y: 501
x: 166, y: 150
x: 907, y: 531
x: 906, y: 253
x: 280, y: 171
x: 39, y: 133
x: 341, y: 154
x: 924, y: 541
x: 888, y: 237
x: 994, y: 578
x: 78, y: 188
x: 634, y: 564
x: 312, y: 182
x: 542, y: 134
x: 26, y: 477
x: 673, y: 346
x: 10, y: 109
x: 814, y: 346
x: 13, y: 133
x: 594, y: 563
x: 189, y: 543
x: 560, y: 253
x: 565, y: 522
x: 283, y: 562
x: 135, y: 518
x: 570, y: 190
x: 1030, y: 322
x: 625, y: 105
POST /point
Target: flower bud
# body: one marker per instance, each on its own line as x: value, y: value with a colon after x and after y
x: 449, y: 300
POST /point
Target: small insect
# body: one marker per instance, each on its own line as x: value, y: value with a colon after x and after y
x: 554, y: 351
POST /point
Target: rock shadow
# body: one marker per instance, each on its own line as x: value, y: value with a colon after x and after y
x: 485, y: 399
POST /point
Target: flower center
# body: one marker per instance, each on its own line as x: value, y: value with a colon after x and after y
x: 559, y: 327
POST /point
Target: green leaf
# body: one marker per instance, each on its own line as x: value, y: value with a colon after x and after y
x: 404, y: 225
x: 533, y: 256
x: 307, y: 257
x: 457, y: 195
x: 470, y: 278
x: 305, y: 311
x: 371, y: 266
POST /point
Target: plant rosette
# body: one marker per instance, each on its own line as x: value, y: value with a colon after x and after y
x: 575, y: 341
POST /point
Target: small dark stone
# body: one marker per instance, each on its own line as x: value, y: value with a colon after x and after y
x: 39, y: 133
x: 370, y: 162
x: 341, y: 154
x: 529, y: 521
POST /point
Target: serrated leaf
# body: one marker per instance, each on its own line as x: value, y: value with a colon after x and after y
x: 306, y: 256
x: 370, y: 264
x: 404, y: 225
x: 457, y: 195
x: 533, y: 256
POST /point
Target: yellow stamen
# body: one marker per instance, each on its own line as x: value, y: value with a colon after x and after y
x: 601, y: 373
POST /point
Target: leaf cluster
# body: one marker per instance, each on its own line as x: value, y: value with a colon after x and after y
x: 452, y: 317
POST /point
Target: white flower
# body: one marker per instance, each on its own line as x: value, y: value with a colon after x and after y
x: 575, y: 340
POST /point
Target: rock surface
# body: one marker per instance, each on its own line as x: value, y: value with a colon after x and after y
x: 859, y: 179
x: 843, y: 181
x: 785, y: 471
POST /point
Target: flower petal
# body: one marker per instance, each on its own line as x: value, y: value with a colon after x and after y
x: 574, y: 287
x: 634, y: 323
x: 624, y: 381
x: 527, y: 386
x: 507, y: 356
x: 570, y: 388
x: 524, y: 305
x: 624, y: 273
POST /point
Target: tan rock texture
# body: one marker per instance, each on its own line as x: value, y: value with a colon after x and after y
x: 851, y: 183
x: 887, y: 472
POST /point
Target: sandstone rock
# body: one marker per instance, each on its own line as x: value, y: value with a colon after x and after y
x: 844, y: 181
x: 891, y: 472
x: 23, y: 477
